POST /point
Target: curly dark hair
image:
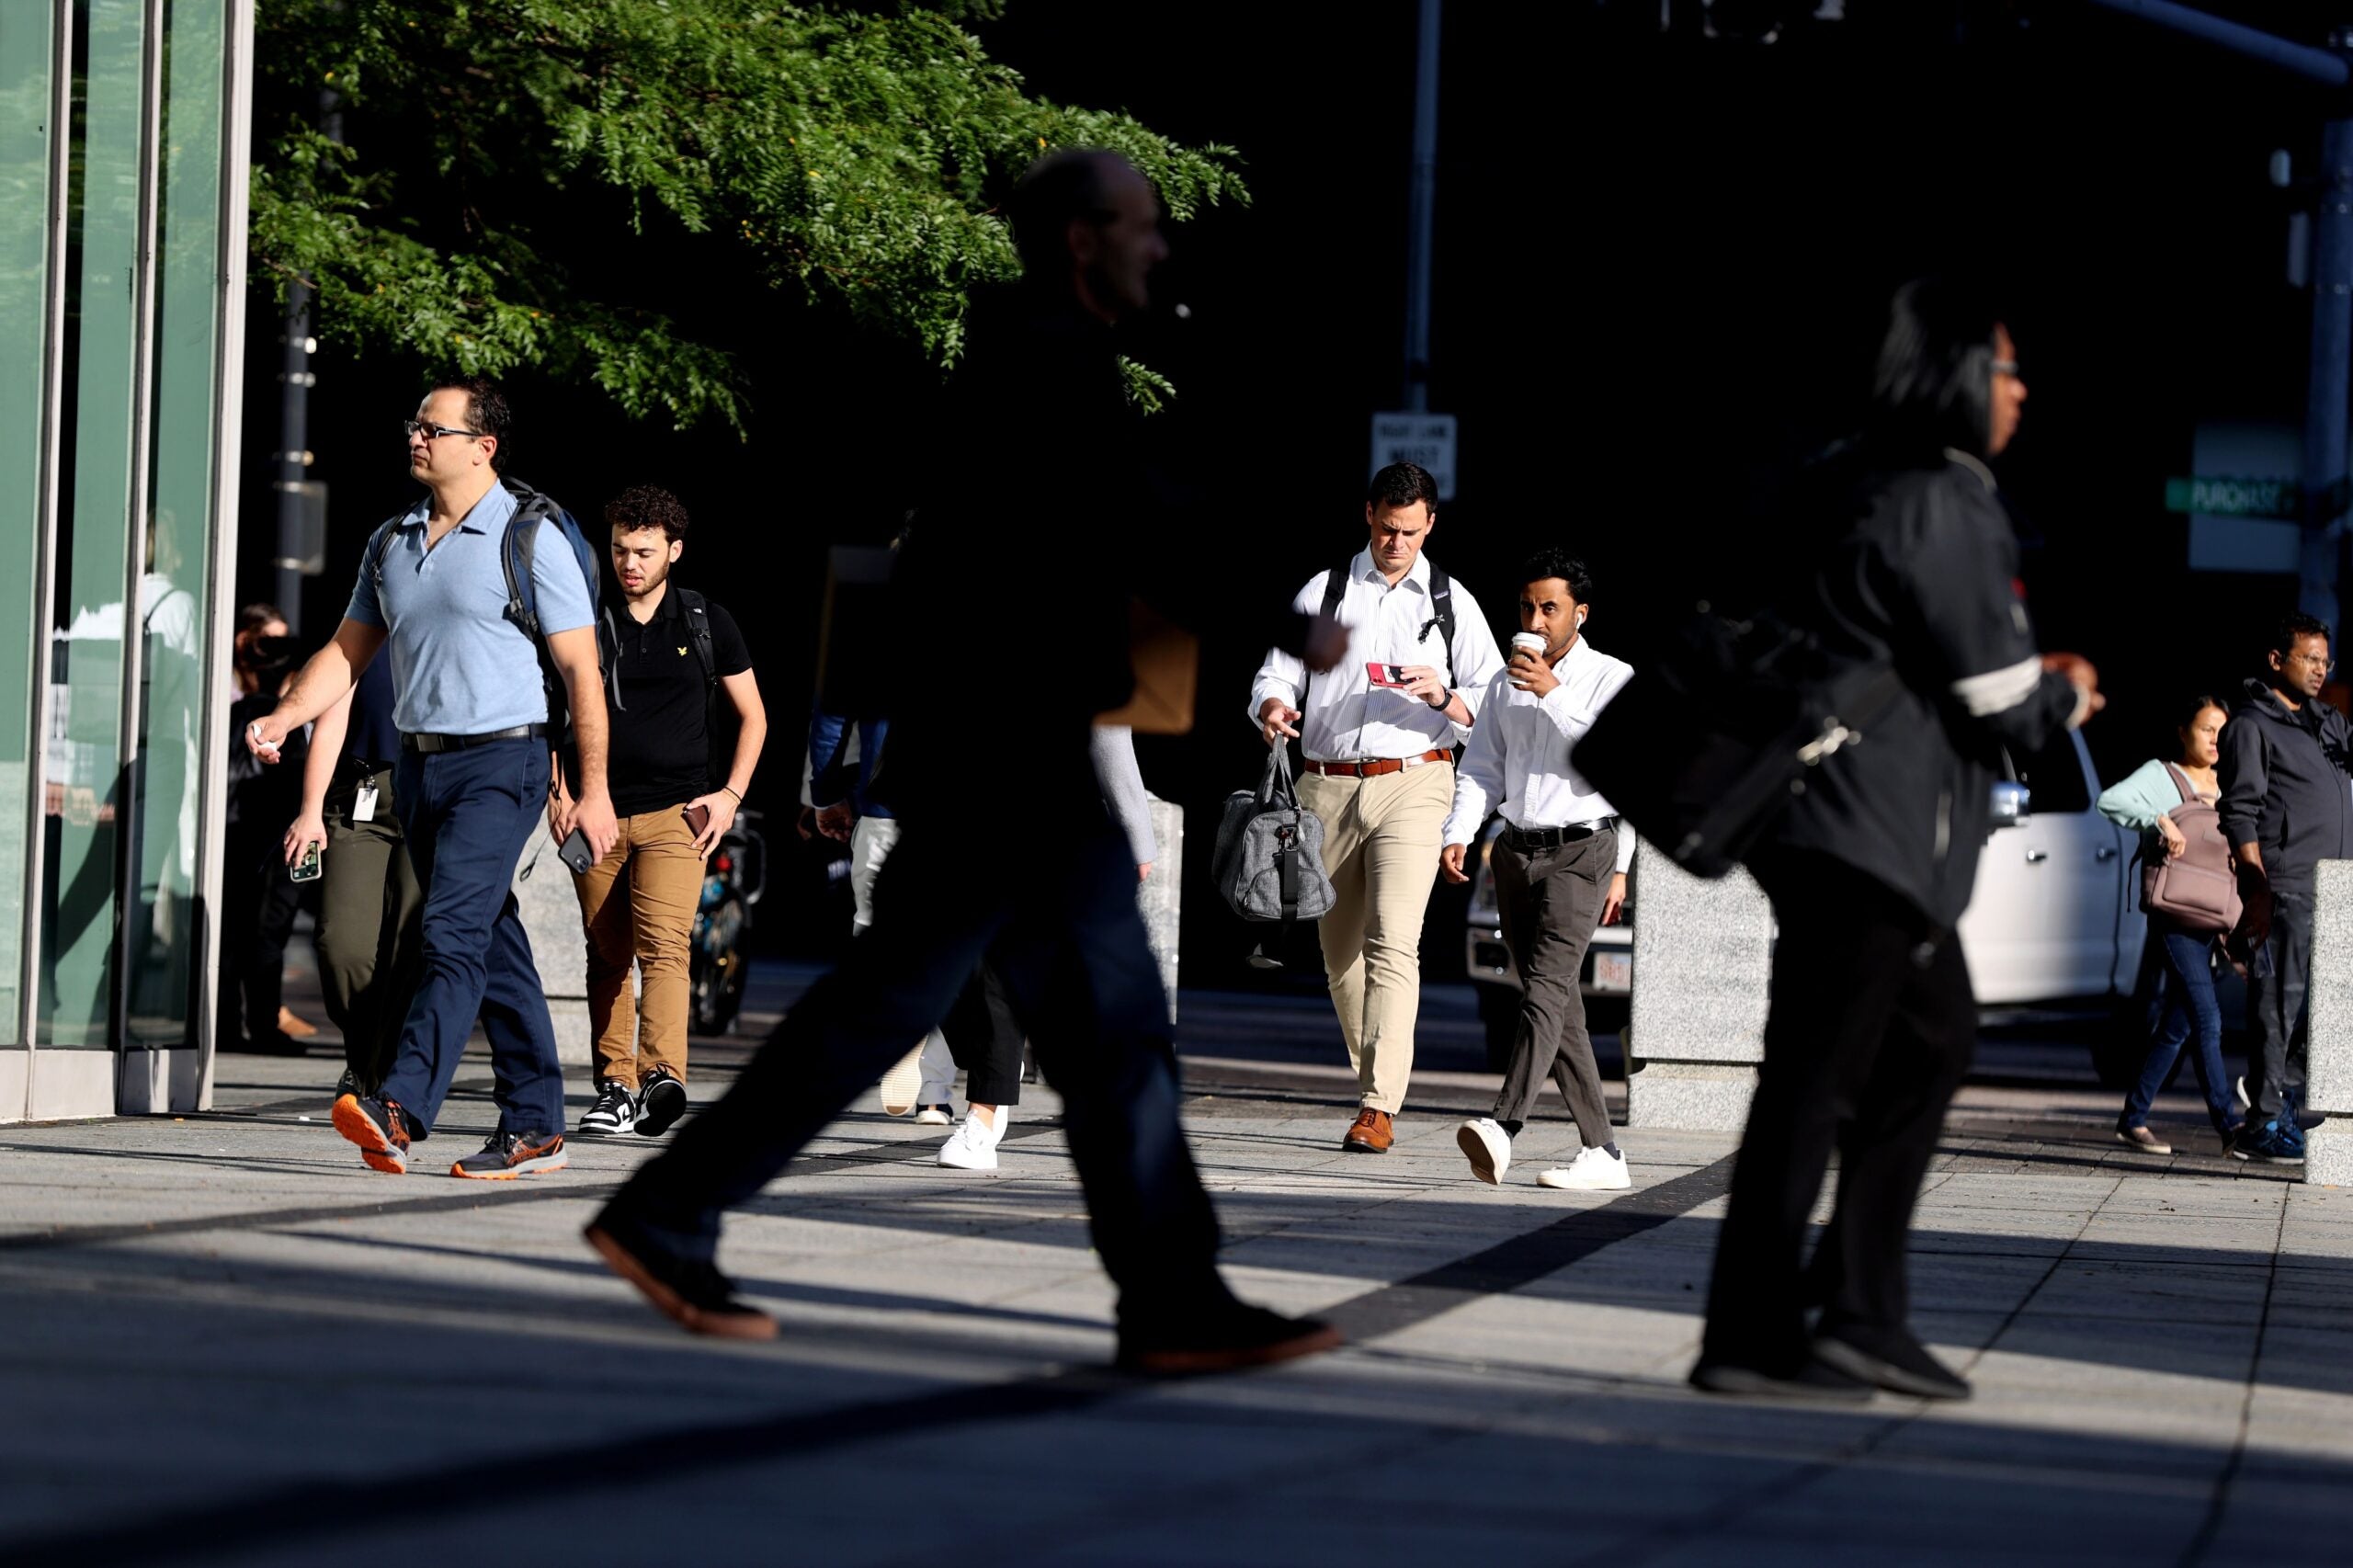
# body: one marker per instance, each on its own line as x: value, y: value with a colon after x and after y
x: 1554, y: 561
x: 647, y: 506
x: 486, y: 412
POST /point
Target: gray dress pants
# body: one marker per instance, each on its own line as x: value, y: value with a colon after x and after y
x: 1551, y: 903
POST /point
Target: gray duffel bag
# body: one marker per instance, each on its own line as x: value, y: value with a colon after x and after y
x: 1270, y: 858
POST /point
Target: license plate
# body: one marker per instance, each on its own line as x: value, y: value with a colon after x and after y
x: 1613, y: 972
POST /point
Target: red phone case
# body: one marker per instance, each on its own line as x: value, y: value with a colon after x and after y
x: 1379, y: 672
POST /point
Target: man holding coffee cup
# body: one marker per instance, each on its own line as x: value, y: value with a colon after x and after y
x: 673, y: 654
x: 1560, y: 864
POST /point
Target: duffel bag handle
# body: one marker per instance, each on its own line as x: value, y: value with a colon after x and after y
x: 1275, y: 786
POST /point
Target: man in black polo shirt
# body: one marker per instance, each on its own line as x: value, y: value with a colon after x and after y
x: 673, y: 651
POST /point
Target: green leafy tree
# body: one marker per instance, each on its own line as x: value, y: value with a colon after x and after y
x: 852, y: 156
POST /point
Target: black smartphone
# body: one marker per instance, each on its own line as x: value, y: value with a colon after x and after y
x: 575, y: 854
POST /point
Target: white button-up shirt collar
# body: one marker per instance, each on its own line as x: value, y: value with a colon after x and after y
x: 1349, y: 718
x: 1518, y: 759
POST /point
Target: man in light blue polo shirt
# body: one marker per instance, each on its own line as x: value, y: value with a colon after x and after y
x: 472, y: 775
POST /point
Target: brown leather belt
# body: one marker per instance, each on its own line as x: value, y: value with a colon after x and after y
x: 1376, y: 767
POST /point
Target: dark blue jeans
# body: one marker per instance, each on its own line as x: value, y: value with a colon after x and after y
x: 2185, y: 1011
x: 1055, y: 912
x: 467, y: 816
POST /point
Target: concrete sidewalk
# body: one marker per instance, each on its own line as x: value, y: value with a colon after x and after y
x: 230, y: 1341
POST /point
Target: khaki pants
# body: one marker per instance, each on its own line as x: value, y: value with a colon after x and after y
x: 1381, y: 847
x: 638, y: 904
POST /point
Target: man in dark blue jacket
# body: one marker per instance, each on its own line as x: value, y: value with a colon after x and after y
x: 2287, y: 805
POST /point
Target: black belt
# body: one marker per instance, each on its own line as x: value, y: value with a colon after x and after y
x: 431, y: 743
x: 1528, y: 840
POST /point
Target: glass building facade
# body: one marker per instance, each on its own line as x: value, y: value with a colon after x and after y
x: 122, y: 214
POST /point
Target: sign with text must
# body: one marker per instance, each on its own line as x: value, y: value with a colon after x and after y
x: 1423, y: 439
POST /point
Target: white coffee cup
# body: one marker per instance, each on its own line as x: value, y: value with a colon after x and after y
x: 1531, y: 641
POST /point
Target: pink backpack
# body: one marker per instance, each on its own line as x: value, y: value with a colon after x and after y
x: 2196, y: 890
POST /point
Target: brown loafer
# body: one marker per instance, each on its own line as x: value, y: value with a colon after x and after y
x: 1369, y: 1133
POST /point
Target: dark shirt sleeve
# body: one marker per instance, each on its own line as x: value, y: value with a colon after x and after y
x: 728, y: 654
x: 2245, y: 780
x: 1977, y: 644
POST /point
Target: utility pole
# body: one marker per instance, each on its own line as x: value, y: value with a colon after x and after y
x: 1423, y: 201
x: 2326, y: 411
x: 1412, y: 433
x: 2326, y: 403
x: 300, y: 503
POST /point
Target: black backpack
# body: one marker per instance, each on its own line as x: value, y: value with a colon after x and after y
x: 1335, y: 588
x: 697, y: 610
x: 1704, y: 750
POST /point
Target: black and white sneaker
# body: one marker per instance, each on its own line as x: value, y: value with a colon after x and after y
x: 615, y: 1112
x: 661, y: 1100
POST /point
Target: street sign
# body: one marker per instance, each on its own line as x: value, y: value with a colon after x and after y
x: 2281, y: 498
x: 1423, y: 439
x: 2244, y: 507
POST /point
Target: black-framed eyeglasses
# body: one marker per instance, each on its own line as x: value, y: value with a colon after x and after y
x: 411, y: 426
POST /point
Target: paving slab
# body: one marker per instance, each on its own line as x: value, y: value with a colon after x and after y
x: 233, y: 1343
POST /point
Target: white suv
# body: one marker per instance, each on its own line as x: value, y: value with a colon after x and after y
x: 2054, y: 918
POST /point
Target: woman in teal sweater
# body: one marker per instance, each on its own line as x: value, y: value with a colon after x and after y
x: 2186, y: 1009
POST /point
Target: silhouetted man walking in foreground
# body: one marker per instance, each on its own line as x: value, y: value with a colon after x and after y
x: 1043, y: 448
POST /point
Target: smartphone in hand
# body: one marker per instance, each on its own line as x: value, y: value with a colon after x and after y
x: 698, y: 818
x: 1385, y: 674
x: 309, y: 868
x: 575, y: 854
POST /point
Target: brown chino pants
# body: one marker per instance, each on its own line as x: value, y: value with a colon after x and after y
x: 638, y: 904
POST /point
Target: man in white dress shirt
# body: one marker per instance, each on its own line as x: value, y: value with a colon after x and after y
x: 1379, y: 734
x: 1560, y: 864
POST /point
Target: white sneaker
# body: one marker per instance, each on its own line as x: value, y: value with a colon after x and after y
x: 937, y: 1116
x: 973, y: 1147
x: 614, y: 1112
x: 903, y: 1083
x: 1593, y: 1170
x: 1489, y: 1148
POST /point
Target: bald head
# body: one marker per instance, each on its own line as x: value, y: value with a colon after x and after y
x: 1084, y: 220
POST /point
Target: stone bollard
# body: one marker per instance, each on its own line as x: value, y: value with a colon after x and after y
x: 551, y: 910
x: 1162, y: 895
x: 2328, y: 1087
x: 1703, y: 969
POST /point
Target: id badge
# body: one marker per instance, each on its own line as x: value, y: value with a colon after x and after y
x: 363, y: 803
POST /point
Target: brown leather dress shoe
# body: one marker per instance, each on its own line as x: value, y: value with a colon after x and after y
x: 1369, y: 1133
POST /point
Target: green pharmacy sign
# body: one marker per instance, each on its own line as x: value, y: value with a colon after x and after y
x: 2235, y: 498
